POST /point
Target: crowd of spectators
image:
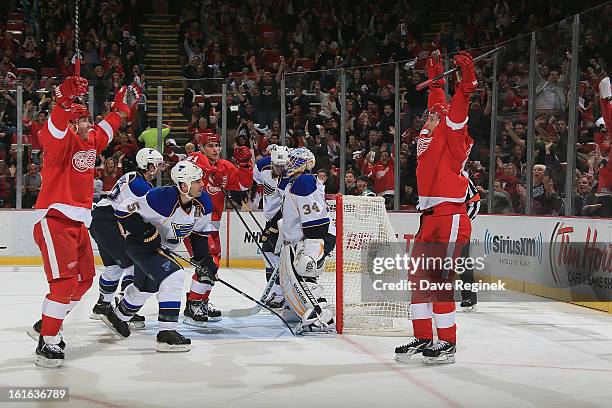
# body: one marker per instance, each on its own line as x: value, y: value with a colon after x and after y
x: 37, y: 45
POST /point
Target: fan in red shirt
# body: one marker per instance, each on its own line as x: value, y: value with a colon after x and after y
x: 381, y: 172
x: 63, y: 209
x: 604, y: 186
x: 220, y: 176
x: 443, y: 147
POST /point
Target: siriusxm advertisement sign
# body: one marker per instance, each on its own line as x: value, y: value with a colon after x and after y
x: 520, y: 247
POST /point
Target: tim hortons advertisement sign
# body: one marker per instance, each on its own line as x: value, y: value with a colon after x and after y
x: 580, y: 257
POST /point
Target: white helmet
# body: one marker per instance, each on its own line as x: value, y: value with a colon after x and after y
x: 300, y: 160
x: 147, y: 156
x: 185, y: 171
x: 279, y: 154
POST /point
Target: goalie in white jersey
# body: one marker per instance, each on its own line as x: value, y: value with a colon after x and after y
x: 105, y: 231
x: 309, y: 237
x: 268, y: 172
x: 158, y: 221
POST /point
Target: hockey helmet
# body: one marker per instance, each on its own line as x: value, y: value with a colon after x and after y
x: 185, y: 171
x: 147, y: 156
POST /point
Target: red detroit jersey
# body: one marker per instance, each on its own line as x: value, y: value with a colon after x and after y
x: 69, y: 161
x: 232, y: 178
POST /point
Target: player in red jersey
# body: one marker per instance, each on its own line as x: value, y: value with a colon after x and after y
x: 220, y: 176
x: 63, y: 209
x: 443, y: 147
x: 604, y: 187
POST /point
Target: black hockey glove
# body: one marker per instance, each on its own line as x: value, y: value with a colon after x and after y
x: 206, y: 270
x: 149, y: 240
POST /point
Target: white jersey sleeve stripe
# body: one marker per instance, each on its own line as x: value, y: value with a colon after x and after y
x: 456, y: 126
x: 107, y: 129
x: 55, y: 132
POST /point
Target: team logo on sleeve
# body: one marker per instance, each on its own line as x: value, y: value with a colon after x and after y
x: 84, y: 160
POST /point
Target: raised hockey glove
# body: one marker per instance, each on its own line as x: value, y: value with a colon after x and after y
x: 468, y: 83
x: 434, y: 68
x: 215, y: 177
x: 206, y: 270
x: 238, y: 197
x: 125, y: 99
x: 243, y: 156
x: 71, y: 88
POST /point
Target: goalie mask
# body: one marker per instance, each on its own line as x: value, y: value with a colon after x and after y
x: 300, y: 160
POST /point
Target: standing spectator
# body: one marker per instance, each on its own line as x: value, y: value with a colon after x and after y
x: 149, y: 135
x: 31, y: 186
x: 585, y: 202
x: 361, y: 187
x: 383, y: 174
x: 110, y: 172
x: 350, y: 183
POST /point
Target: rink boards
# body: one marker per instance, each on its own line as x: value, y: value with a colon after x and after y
x: 563, y: 258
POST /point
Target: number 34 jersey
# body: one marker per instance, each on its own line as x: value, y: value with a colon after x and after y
x: 131, y: 185
x: 304, y: 207
x: 161, y: 207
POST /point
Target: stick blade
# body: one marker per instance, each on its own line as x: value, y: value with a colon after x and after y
x: 251, y: 311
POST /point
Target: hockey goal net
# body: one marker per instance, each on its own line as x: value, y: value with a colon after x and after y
x: 363, y: 230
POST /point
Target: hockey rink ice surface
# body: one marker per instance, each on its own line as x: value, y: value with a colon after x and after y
x: 510, y: 354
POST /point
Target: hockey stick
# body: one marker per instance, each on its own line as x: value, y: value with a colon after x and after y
x: 235, y: 289
x: 453, y: 70
x: 255, y: 309
x: 77, y: 48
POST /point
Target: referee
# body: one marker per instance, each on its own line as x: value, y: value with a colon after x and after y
x: 469, y: 298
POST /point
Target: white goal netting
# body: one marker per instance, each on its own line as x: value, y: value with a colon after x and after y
x: 366, y: 233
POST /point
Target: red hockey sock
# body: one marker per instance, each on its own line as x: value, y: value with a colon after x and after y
x: 444, y: 315
x: 422, y: 329
x: 57, y: 304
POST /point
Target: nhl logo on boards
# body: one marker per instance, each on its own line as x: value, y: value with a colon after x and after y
x: 84, y: 160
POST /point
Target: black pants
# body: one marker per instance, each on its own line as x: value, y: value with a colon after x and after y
x: 467, y: 277
x: 104, y: 229
x: 151, y: 267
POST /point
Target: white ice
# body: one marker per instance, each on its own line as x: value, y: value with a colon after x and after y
x: 525, y: 353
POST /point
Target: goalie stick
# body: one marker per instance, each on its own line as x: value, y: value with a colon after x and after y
x: 235, y: 289
x: 250, y: 311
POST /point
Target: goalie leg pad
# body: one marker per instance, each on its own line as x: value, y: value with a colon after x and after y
x: 304, y: 295
x: 309, y: 254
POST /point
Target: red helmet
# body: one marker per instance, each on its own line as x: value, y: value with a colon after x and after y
x: 208, y: 137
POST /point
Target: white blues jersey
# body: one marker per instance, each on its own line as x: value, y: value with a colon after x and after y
x: 161, y: 207
x: 304, y: 207
x: 273, y: 186
x: 130, y: 186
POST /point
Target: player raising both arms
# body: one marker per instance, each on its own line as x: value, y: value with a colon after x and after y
x: 63, y: 210
x: 311, y: 237
x: 443, y: 147
x: 268, y: 173
x: 219, y: 176
x: 161, y: 219
x: 105, y: 231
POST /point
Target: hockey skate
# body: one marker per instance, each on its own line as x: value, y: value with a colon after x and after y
x: 137, y: 322
x: 48, y: 355
x: 416, y: 346
x: 99, y: 309
x: 172, y: 341
x: 194, y: 313
x: 117, y: 325
x: 468, y: 306
x: 214, y: 315
x: 34, y: 333
x: 440, y: 352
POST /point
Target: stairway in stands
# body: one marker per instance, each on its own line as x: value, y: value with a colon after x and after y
x: 161, y: 64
